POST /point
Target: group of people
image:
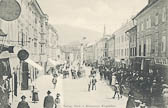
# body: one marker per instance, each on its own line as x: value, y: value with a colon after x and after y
x: 150, y: 86
x: 49, y: 101
x: 92, y: 80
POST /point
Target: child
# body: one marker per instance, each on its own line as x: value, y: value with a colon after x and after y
x: 117, y: 90
x: 57, y: 100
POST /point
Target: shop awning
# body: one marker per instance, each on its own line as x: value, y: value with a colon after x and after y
x: 34, y: 64
x: 5, y: 69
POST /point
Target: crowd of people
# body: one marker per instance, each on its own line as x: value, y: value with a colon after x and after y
x: 151, y: 89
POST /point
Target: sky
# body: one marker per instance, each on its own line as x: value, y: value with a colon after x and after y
x: 91, y: 14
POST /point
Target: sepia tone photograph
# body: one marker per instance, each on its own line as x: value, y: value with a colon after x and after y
x: 83, y: 53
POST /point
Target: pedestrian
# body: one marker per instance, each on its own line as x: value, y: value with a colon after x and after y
x: 130, y: 101
x: 165, y: 95
x: 113, y: 80
x: 100, y: 71
x: 35, y: 94
x: 143, y: 105
x: 48, y: 101
x: 94, y: 81
x: 110, y: 76
x: 121, y: 89
x: 92, y: 71
x: 54, y: 81
x: 116, y: 90
x: 23, y: 103
x: 57, y: 100
x: 137, y: 104
x: 89, y: 82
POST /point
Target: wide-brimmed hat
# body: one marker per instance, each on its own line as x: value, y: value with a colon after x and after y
x: 143, y: 105
x: 164, y: 85
x: 48, y: 92
x: 137, y: 101
x: 23, y: 97
x: 154, y: 81
x: 58, y: 94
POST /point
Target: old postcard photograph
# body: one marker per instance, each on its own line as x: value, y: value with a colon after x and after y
x: 83, y: 53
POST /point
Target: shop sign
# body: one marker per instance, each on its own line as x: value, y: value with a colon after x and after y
x: 161, y: 60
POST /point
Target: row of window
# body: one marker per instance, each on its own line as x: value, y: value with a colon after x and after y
x: 152, y: 20
x: 133, y: 51
x: 122, y: 52
x: 146, y: 48
x: 122, y: 38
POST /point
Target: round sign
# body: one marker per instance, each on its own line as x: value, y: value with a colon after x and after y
x: 23, y: 54
x: 9, y: 10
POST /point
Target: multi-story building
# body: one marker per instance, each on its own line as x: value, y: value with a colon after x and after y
x: 52, y: 42
x: 132, y: 35
x: 30, y: 32
x: 152, y: 24
x: 89, y: 54
x: 101, y: 48
x: 122, y: 43
x: 111, y: 47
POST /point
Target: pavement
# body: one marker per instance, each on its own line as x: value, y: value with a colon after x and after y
x: 74, y: 93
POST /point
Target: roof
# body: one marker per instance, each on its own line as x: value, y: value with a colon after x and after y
x: 37, y: 6
x: 131, y: 28
x: 146, y: 7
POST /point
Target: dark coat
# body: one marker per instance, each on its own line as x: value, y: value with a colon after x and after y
x: 23, y: 104
x: 48, y: 102
x: 130, y: 101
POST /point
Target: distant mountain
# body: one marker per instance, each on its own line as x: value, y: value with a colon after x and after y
x: 69, y: 34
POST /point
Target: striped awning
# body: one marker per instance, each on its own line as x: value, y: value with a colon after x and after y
x: 34, y: 64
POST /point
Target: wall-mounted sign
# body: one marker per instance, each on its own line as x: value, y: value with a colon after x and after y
x: 9, y: 10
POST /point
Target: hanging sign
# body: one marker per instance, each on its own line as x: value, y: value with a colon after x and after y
x: 23, y: 54
x: 9, y: 10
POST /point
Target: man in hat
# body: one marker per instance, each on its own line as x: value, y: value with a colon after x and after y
x: 137, y: 104
x: 94, y: 81
x: 48, y: 101
x: 23, y: 103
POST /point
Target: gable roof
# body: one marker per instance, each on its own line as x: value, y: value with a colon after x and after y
x: 146, y: 7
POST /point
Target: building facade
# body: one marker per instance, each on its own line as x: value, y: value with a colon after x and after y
x: 132, y: 35
x: 152, y: 32
x: 111, y: 47
x: 89, y: 54
x: 122, y: 43
x: 30, y: 32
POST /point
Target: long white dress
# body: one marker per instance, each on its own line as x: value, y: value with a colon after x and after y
x: 113, y: 80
